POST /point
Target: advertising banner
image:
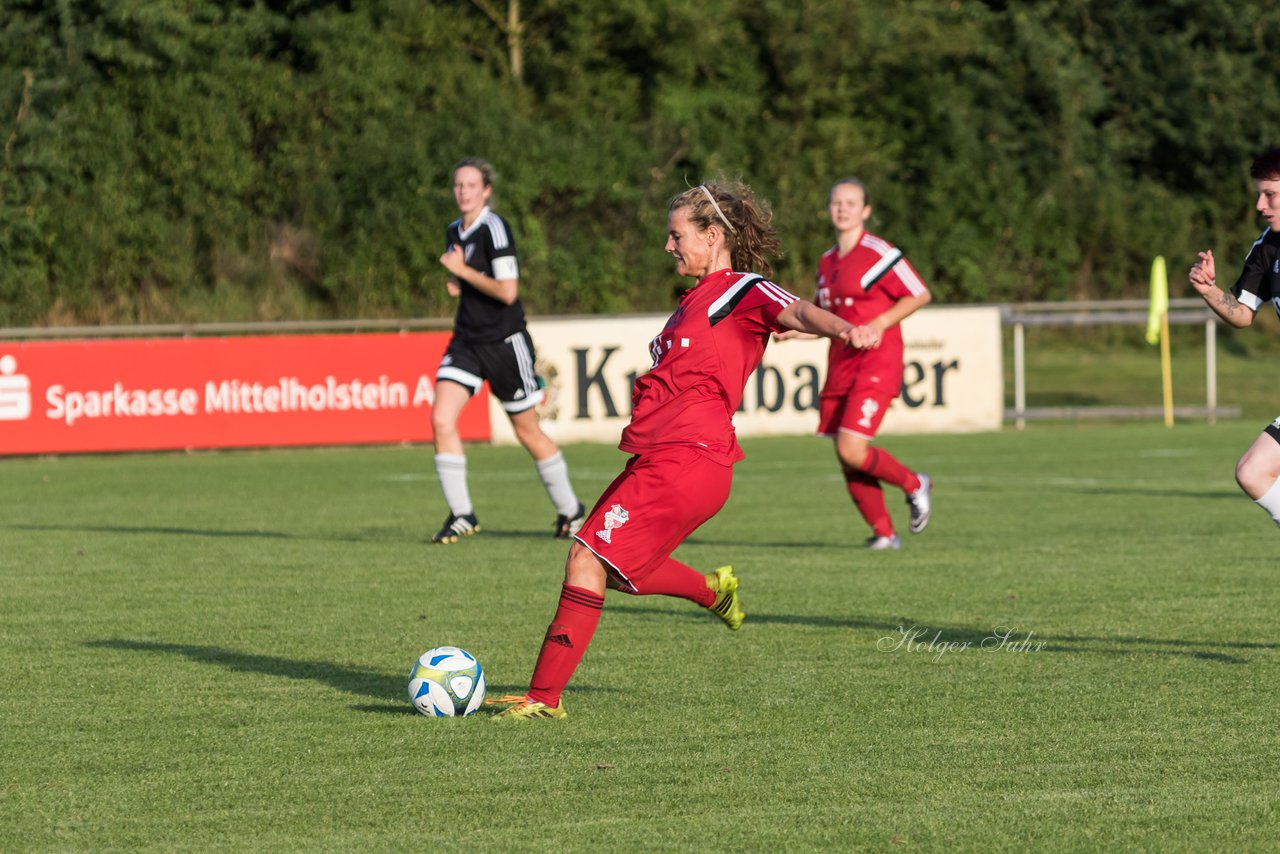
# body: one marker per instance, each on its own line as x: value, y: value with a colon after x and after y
x: 952, y: 379
x: 168, y: 393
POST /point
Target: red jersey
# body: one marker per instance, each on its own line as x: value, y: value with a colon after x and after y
x: 702, y: 360
x: 858, y: 287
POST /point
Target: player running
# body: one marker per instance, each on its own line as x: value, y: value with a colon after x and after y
x: 681, y: 433
x: 1258, y: 470
x: 866, y: 280
x: 489, y: 342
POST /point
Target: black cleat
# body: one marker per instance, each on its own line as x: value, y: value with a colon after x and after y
x: 455, y: 527
x: 566, y: 527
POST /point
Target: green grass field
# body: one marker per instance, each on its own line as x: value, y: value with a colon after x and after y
x: 209, y: 652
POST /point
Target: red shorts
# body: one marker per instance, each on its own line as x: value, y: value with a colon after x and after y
x: 660, y: 498
x: 859, y: 412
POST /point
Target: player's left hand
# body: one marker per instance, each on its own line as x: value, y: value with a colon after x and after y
x: 1203, y: 275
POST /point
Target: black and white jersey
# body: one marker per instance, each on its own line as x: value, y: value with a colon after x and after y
x: 487, y: 246
x: 1259, y: 282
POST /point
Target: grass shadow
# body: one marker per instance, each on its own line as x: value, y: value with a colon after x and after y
x: 366, y: 536
x: 352, y: 680
x: 1153, y: 493
x: 518, y: 534
x: 153, y: 529
x: 385, y: 709
x: 810, y: 545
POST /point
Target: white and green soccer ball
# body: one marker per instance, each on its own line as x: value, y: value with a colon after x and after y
x: 446, y: 682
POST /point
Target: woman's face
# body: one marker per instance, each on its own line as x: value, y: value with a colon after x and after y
x: 1269, y: 202
x: 469, y: 190
x: 690, y: 246
x: 848, y: 207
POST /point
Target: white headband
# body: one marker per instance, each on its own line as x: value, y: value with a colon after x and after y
x: 719, y: 213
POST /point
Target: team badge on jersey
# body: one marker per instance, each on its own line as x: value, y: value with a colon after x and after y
x: 614, y: 517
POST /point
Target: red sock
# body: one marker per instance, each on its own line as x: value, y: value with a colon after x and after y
x: 881, y: 465
x: 674, y: 578
x: 566, y: 640
x: 868, y: 497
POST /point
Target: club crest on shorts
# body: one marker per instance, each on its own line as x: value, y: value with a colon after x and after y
x: 869, y: 410
x: 614, y: 517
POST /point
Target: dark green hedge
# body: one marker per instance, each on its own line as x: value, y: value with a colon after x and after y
x: 274, y: 159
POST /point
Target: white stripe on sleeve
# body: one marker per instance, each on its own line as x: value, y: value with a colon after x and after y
x: 910, y: 279
x: 779, y: 295
x: 497, y: 231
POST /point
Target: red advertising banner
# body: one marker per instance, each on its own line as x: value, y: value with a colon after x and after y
x: 167, y: 393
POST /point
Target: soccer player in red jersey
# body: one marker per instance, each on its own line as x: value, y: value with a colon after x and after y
x: 1258, y: 469
x: 867, y: 281
x: 681, y: 433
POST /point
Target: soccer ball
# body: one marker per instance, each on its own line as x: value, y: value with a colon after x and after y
x: 446, y: 682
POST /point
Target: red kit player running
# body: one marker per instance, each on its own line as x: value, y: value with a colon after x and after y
x: 681, y: 433
x: 866, y: 280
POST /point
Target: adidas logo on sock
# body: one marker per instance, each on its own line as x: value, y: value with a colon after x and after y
x: 559, y: 633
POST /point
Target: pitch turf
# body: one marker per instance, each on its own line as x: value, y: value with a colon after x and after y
x: 210, y: 652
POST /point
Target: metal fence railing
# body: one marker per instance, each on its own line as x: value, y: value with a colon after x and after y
x: 1108, y: 313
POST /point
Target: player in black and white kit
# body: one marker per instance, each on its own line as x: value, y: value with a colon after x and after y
x: 1258, y: 471
x: 489, y: 342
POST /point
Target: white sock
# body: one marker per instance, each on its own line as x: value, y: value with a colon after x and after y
x: 554, y: 472
x: 452, y: 471
x: 1271, y: 502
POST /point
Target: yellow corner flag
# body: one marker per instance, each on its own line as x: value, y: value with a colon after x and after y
x: 1159, y: 300
x: 1158, y: 332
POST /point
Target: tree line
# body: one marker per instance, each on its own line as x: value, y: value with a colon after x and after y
x: 274, y: 159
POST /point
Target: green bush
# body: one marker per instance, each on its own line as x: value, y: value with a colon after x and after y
x: 235, y: 161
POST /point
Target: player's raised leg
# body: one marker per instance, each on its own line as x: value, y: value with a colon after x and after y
x: 717, y: 591
x: 647, y: 512
x: 1258, y: 471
